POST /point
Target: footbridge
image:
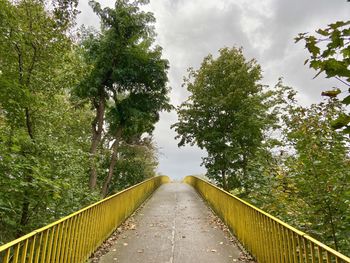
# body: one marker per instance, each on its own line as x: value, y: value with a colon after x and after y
x: 166, y: 222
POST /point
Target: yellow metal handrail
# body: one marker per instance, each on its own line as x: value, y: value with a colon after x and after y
x: 75, y: 237
x: 267, y: 238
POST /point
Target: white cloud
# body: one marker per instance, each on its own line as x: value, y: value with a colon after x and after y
x: 188, y: 30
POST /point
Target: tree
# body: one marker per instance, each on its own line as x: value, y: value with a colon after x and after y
x: 333, y: 59
x: 30, y: 44
x: 45, y: 129
x: 226, y: 114
x: 42, y: 148
x: 137, y: 162
x: 65, y: 12
x: 128, y: 77
x: 319, y: 172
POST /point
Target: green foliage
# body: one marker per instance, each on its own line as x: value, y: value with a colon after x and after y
x: 136, y: 163
x: 45, y: 128
x: 56, y: 162
x: 31, y: 55
x: 123, y: 60
x: 65, y: 12
x: 332, y: 58
x: 305, y: 180
x: 127, y: 84
x: 319, y: 171
x: 53, y: 93
x: 301, y: 174
x: 226, y: 114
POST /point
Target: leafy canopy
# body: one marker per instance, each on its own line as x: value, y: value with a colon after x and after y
x: 225, y: 114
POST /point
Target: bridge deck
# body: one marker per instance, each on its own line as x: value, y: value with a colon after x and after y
x: 174, y: 226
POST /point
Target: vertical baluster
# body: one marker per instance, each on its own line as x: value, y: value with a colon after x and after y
x: 300, y: 246
x: 24, y: 251
x: 59, y: 241
x: 32, y: 249
x: 16, y: 253
x: 313, y: 256
x: 290, y: 246
x: 68, y: 240
x: 55, y: 241
x: 6, y: 257
x: 38, y: 247
x: 295, y: 249
x: 306, y: 250
x: 320, y: 255
x: 280, y: 241
x: 72, y: 241
x: 50, y: 243
x: 45, y: 240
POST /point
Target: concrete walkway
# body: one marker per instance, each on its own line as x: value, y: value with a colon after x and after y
x: 174, y: 226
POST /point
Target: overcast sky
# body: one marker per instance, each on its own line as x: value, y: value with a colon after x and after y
x: 188, y: 30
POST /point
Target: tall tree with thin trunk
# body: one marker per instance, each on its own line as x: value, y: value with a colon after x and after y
x: 125, y: 65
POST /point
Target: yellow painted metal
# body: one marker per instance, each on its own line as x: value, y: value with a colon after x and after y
x: 49, y: 249
x: 44, y: 245
x: 320, y: 255
x: 71, y: 241
x: 295, y: 251
x: 278, y: 241
x: 290, y: 245
x: 16, y: 253
x: 6, y: 257
x: 75, y: 237
x: 300, y: 249
x: 38, y: 248
x: 24, y: 251
x: 306, y: 251
x: 55, y: 242
x: 313, y: 257
x: 32, y: 248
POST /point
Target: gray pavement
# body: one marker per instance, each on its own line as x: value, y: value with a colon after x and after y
x: 174, y: 226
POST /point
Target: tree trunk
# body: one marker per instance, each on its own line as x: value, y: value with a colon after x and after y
x: 29, y: 124
x: 96, y: 127
x: 28, y: 179
x: 224, y: 182
x: 113, y: 162
x: 245, y: 181
x: 333, y: 228
x: 25, y: 207
x: 25, y: 83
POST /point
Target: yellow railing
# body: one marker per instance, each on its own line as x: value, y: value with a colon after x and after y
x: 75, y: 237
x: 267, y: 238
